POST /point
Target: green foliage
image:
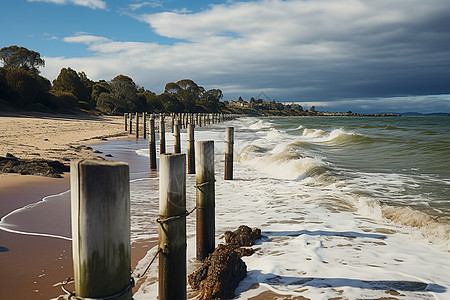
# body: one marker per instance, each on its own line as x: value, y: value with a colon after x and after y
x: 153, y: 102
x: 24, y: 86
x: 21, y: 57
x: 63, y: 101
x: 99, y: 87
x: 210, y: 100
x: 109, y: 104
x: 186, y: 91
x: 170, y: 103
x: 70, y: 81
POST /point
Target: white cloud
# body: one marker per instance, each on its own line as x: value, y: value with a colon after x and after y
x: 85, y: 39
x: 314, y: 50
x: 94, y: 4
x: 139, y: 5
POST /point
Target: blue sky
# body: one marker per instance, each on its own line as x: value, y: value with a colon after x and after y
x: 339, y: 55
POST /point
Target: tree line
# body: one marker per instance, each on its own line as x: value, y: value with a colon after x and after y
x: 22, y: 88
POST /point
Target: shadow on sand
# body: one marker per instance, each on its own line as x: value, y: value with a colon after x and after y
x: 256, y: 276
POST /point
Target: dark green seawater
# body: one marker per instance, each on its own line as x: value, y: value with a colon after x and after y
x: 403, y: 161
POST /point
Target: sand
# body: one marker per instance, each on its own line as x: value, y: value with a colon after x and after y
x: 57, y: 137
x: 31, y: 265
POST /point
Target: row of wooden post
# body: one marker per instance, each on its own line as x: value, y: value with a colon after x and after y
x: 100, y: 192
x: 183, y: 119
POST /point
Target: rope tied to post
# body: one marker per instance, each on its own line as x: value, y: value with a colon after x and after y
x: 163, y: 220
x: 72, y: 295
x: 198, y: 186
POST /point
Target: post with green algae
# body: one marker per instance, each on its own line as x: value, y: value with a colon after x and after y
x: 177, y: 137
x: 191, y: 149
x: 172, y: 227
x: 152, y: 145
x: 100, y: 211
x: 137, y: 126
x: 204, y: 162
x: 162, y: 135
x: 144, y: 125
x: 131, y: 122
x: 229, y: 142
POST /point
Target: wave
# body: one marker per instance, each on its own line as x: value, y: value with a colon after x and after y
x: 419, y: 224
x: 336, y: 137
x: 285, y: 161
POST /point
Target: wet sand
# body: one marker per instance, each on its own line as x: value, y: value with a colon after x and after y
x: 30, y: 265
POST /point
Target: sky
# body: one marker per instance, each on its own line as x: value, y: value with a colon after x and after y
x: 367, y: 56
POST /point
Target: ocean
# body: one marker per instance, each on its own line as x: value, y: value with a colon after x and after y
x: 349, y: 207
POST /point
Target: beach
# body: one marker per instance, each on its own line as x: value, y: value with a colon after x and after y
x: 341, y: 216
x: 32, y: 264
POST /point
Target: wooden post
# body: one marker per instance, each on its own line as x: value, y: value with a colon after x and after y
x: 229, y: 141
x: 100, y: 209
x: 152, y: 145
x: 173, y: 122
x: 172, y: 229
x: 131, y: 123
x: 191, y: 149
x: 144, y: 124
x: 162, y: 136
x: 126, y: 121
x: 204, y: 162
x: 137, y: 126
x: 177, y: 137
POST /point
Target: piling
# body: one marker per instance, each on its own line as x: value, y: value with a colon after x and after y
x: 191, y: 149
x: 137, y: 126
x: 204, y: 162
x: 131, y: 123
x: 172, y: 229
x: 144, y: 125
x: 152, y: 145
x: 100, y: 210
x: 162, y: 135
x: 229, y: 142
x: 177, y: 137
x: 173, y: 122
x: 126, y: 121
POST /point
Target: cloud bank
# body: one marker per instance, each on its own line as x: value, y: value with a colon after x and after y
x: 93, y: 4
x: 321, y: 50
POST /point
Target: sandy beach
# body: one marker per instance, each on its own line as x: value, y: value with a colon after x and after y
x: 31, y: 265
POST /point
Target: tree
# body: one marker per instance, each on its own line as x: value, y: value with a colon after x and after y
x: 170, y: 103
x: 186, y: 91
x: 154, y: 103
x: 97, y: 89
x: 123, y: 88
x: 210, y: 100
x: 109, y: 104
x: 21, y: 57
x: 25, y: 87
x: 69, y: 81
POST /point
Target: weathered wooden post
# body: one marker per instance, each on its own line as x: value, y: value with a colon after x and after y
x: 177, y: 137
x: 137, y: 126
x: 204, y: 162
x: 191, y: 149
x: 229, y: 142
x: 144, y: 124
x: 125, y: 115
x: 152, y: 145
x: 131, y: 123
x: 172, y: 229
x: 173, y: 122
x: 100, y: 209
x: 162, y: 135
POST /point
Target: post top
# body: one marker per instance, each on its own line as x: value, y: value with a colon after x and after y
x: 97, y: 162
